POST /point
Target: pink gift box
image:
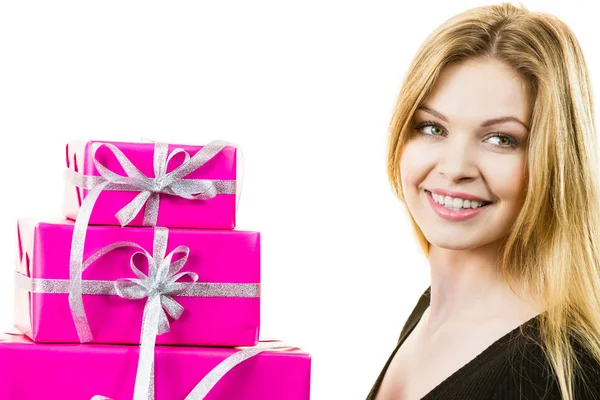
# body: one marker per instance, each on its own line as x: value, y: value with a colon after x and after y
x: 176, y: 212
x: 217, y: 256
x: 79, y: 371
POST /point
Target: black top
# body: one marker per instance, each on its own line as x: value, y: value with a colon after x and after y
x: 513, y: 367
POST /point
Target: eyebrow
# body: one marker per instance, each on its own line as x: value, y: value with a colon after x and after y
x: 484, y: 124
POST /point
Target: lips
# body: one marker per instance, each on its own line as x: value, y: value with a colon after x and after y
x: 463, y: 214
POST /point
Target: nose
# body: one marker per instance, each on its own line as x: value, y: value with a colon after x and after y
x: 458, y: 159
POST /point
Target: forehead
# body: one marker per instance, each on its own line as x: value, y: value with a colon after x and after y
x: 478, y: 89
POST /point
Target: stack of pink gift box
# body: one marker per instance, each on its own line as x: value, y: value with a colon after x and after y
x: 146, y: 290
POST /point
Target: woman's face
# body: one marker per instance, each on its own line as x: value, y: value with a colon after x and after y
x: 455, y: 146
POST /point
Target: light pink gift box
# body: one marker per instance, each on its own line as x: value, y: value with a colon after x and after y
x: 79, y: 371
x: 221, y: 256
x: 217, y: 213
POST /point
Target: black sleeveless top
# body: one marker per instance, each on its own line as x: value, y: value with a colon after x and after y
x: 513, y: 367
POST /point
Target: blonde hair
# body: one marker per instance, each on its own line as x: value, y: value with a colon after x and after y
x: 552, y: 249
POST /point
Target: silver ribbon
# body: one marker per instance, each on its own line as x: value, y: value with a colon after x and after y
x: 107, y: 288
x: 170, y: 183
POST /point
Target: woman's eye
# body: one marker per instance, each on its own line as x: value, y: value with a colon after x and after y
x: 434, y: 129
x: 502, y: 140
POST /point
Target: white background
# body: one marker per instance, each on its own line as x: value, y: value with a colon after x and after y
x: 305, y: 88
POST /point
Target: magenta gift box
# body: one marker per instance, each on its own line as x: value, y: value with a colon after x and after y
x: 79, y: 371
x: 217, y: 256
x: 176, y: 212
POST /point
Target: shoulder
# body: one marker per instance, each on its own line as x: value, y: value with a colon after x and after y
x: 531, y: 376
x: 587, y: 377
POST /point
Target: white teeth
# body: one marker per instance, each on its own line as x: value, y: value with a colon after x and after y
x: 455, y: 203
x: 447, y: 202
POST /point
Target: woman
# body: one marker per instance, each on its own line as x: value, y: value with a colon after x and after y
x: 493, y: 153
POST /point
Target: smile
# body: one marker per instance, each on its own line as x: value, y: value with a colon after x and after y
x: 460, y: 214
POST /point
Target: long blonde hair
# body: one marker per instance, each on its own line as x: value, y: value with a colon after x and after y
x: 552, y: 250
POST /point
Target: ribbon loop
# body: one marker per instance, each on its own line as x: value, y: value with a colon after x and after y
x: 130, y: 289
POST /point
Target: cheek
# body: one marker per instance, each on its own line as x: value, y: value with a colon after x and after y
x: 414, y: 164
x: 509, y: 181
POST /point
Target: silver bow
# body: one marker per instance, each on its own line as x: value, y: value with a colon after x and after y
x: 172, y: 183
x: 158, y: 287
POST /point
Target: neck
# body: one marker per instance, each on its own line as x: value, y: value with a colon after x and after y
x: 467, y: 289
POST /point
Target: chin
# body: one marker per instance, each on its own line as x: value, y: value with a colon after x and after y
x: 453, y: 245
x: 451, y: 242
